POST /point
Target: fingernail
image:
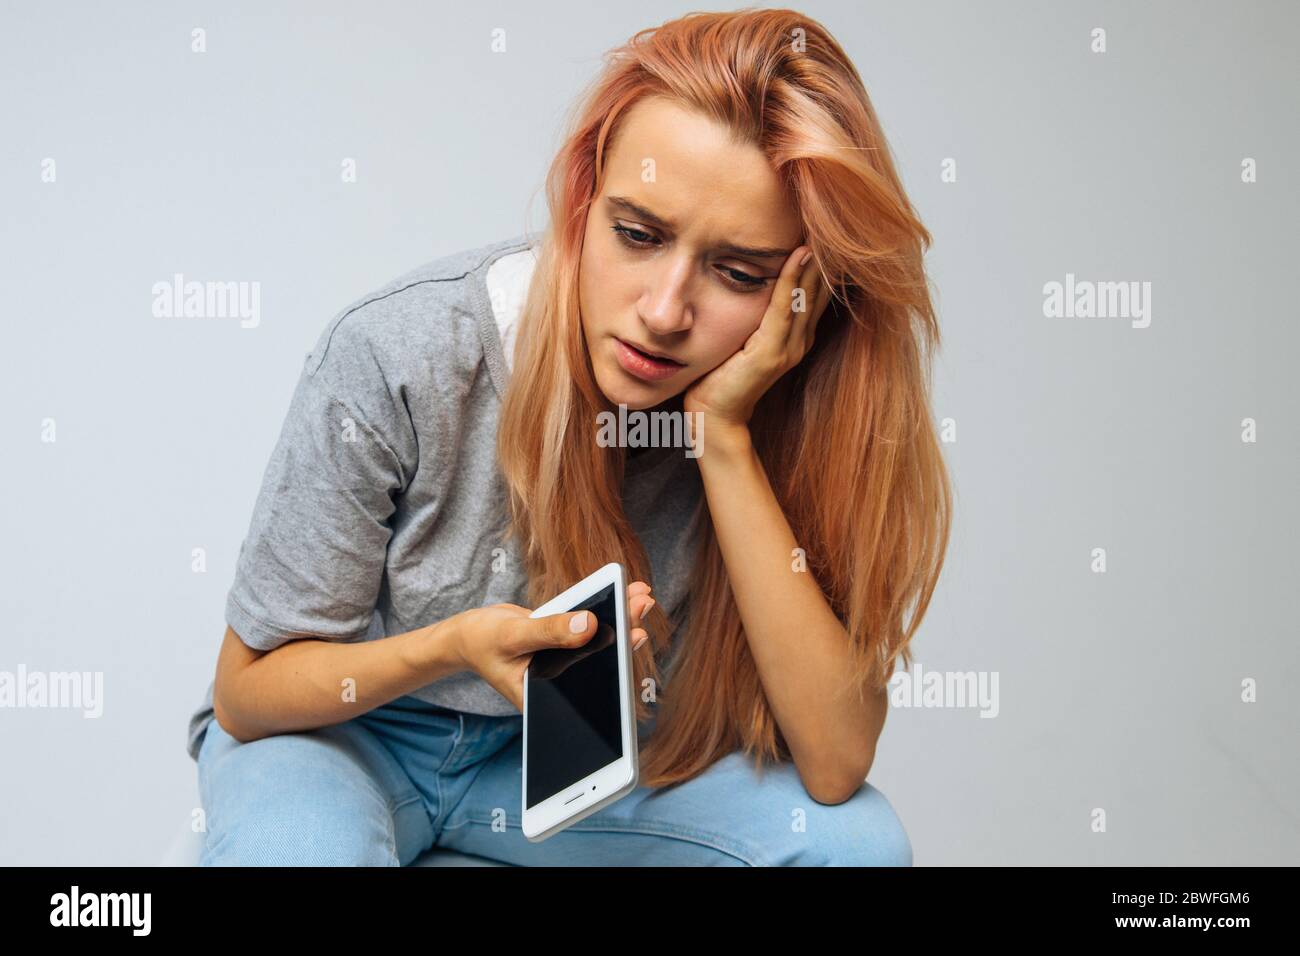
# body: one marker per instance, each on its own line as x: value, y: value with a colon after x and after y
x: 578, y: 623
x: 806, y: 256
x: 648, y: 606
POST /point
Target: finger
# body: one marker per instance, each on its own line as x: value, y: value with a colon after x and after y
x: 811, y: 284
x: 557, y: 630
x: 817, y: 294
x: 638, y: 587
x: 639, y: 605
x: 779, y: 317
x: 639, y: 637
x: 793, y: 276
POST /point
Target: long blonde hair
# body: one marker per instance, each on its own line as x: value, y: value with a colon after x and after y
x: 846, y: 437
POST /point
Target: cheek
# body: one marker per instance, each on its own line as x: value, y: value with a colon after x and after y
x: 598, y: 282
x: 728, y: 329
x: 589, y: 286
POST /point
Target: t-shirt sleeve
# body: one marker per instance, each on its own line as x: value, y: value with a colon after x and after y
x: 312, y: 562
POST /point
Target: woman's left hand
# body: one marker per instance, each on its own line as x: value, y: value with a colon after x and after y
x: 727, y: 395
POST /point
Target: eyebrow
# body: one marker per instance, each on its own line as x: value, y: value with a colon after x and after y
x: 753, y: 252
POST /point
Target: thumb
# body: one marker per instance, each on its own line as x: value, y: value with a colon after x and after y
x: 568, y: 629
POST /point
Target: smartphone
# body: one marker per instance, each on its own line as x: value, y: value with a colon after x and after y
x: 580, y: 735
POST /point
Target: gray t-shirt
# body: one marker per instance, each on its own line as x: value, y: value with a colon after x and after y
x: 382, y: 507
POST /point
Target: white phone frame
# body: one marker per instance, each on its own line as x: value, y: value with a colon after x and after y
x: 619, y: 777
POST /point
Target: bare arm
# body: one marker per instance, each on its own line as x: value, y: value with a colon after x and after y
x: 314, y: 683
x: 311, y: 683
x: 800, y: 648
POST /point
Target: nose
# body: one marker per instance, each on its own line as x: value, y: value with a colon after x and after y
x: 665, y: 304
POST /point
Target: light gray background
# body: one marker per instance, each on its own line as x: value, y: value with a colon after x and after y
x: 1118, y: 690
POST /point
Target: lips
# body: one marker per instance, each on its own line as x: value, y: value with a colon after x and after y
x: 644, y: 365
x: 651, y: 354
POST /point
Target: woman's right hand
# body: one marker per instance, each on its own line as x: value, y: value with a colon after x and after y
x: 498, y: 642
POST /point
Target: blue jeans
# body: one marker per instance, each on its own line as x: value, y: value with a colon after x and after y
x: 384, y: 787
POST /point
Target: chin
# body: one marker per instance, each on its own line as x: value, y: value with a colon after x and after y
x: 637, y: 397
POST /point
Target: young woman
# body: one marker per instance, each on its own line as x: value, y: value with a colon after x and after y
x: 729, y: 242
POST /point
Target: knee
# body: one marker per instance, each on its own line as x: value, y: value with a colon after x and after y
x: 291, y: 800
x: 875, y: 834
x: 301, y: 837
x: 862, y: 831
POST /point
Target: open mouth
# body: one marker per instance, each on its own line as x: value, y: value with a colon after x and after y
x: 643, y: 365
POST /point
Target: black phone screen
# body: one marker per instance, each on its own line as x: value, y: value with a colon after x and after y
x: 574, y: 723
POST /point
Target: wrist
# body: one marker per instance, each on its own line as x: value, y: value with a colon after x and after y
x: 726, y: 441
x: 438, y: 651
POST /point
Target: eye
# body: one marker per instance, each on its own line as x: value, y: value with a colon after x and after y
x: 734, y: 278
x: 743, y: 280
x: 627, y: 235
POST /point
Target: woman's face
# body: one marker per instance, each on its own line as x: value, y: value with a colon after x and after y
x: 682, y: 249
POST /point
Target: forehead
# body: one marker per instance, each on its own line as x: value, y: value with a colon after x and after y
x: 691, y: 171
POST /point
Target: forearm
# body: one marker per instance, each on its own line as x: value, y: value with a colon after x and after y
x: 314, y: 683
x: 800, y: 649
